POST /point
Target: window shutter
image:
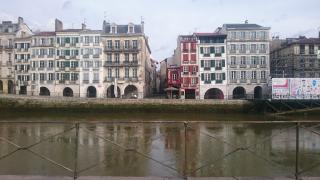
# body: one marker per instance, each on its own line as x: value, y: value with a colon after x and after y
x: 223, y: 63
x: 213, y: 76
x: 201, y: 50
x: 213, y: 63
x: 223, y: 76
x: 222, y: 49
x: 212, y: 50
x: 190, y: 69
x: 202, y: 63
x: 202, y: 77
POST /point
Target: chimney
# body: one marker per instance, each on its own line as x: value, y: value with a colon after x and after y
x: 58, y: 25
x: 20, y: 20
x: 142, y: 26
x: 83, y: 26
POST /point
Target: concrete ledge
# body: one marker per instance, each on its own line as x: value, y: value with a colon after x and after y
x: 12, y: 177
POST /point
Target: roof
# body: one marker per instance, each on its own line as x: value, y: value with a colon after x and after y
x: 209, y: 34
x: 122, y: 29
x: 45, y: 33
x: 307, y: 41
x: 244, y: 26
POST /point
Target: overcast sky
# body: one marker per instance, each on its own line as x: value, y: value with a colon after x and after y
x: 166, y: 19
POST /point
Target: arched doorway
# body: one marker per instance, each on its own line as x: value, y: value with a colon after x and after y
x: 91, y: 92
x: 1, y: 87
x: 131, y: 92
x: 258, y: 92
x: 10, y: 87
x: 214, y: 93
x: 44, y: 91
x: 67, y: 92
x: 239, y: 93
x: 111, y: 94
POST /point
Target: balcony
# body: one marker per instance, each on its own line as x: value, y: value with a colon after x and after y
x: 96, y: 56
x: 233, y: 51
x: 185, y: 50
x: 253, y: 81
x: 111, y: 64
x: 206, y: 55
x: 85, y: 81
x: 95, y: 81
x: 85, y: 56
x: 217, y: 54
x: 243, y: 81
x: 109, y: 79
x: 121, y: 49
x: 134, y: 79
x: 263, y: 51
x: 233, y: 81
x: 253, y: 65
x: 263, y: 66
x: 219, y: 81
x: 207, y: 82
x: 243, y: 66
x: 207, y: 68
x: 218, y: 68
x: 232, y: 66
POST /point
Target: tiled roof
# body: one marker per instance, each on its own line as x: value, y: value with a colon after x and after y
x: 45, y: 33
x: 122, y: 29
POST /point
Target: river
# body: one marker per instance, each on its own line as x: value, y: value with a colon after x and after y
x: 156, y: 145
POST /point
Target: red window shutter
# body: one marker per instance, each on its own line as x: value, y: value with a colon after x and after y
x: 190, y: 68
x: 193, y: 46
x: 185, y: 57
x: 193, y: 57
x: 185, y: 46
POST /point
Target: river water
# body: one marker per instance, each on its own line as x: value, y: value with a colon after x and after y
x: 156, y: 145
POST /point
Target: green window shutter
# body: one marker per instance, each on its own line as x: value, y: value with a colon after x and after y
x: 222, y: 49
x: 202, y: 77
x: 58, y: 40
x: 202, y: 63
x: 213, y: 63
x: 201, y: 50
x: 213, y: 76
x: 67, y: 63
x: 67, y: 52
x: 212, y: 50
x: 67, y: 40
x: 223, y: 63
x: 76, y: 64
x: 223, y: 76
x: 76, y: 40
x: 58, y: 52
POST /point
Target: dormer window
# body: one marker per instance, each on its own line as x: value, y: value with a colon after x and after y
x: 113, y: 29
x: 130, y: 28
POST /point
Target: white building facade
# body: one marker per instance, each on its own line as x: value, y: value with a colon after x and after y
x: 211, y: 48
x: 247, y: 60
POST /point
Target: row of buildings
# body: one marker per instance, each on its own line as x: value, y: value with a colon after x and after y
x: 112, y: 62
x: 236, y: 61
x: 230, y: 63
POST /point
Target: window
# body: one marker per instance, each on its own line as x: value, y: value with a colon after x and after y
x: 109, y: 75
x: 74, y: 76
x: 50, y: 64
x: 233, y: 48
x: 253, y: 35
x: 207, y: 64
x: 193, y: 57
x: 97, y: 39
x: 117, y: 44
x: 74, y: 64
x: 233, y: 60
x: 126, y: 44
x: 96, y: 64
x: 233, y: 75
x: 135, y: 72
x: 263, y: 74
x: 126, y: 57
x: 254, y: 75
x: 207, y: 77
x: 86, y: 39
x: 42, y: 77
x: 302, y: 49
x: 311, y: 49
x: 185, y: 57
x: 135, y: 44
x: 42, y: 64
x: 263, y: 47
x: 109, y: 44
x: 234, y: 35
x: 126, y: 73
x: 194, y: 80
x: 117, y: 58
x: 117, y: 73
x: 242, y: 35
x: 134, y: 57
x: 174, y: 76
x: 86, y: 76
x: 96, y: 76
x: 109, y: 57
x: 185, y: 69
x: 242, y: 48
x: 51, y: 77
x: 243, y: 75
x: 263, y: 60
x: 253, y: 48
x: 243, y: 60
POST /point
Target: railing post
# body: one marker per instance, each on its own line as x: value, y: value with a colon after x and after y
x: 75, y: 171
x: 297, y: 151
x: 185, y: 171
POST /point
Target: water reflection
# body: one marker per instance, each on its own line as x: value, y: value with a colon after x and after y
x: 158, y: 149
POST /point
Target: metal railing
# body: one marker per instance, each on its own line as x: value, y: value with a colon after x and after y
x: 186, y: 130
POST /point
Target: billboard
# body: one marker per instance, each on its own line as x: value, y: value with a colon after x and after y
x: 296, y: 88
